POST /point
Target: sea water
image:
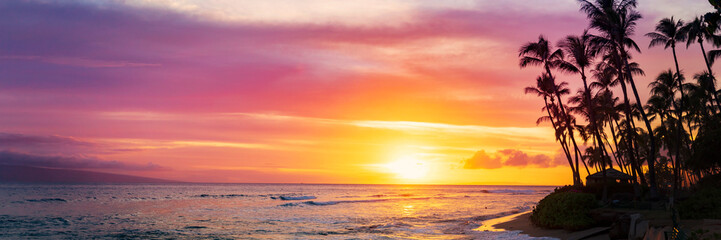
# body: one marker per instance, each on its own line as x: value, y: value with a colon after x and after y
x: 258, y: 211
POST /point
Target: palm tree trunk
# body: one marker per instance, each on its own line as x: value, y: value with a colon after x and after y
x: 568, y: 127
x: 615, y: 142
x: 653, y: 189
x: 630, y: 132
x: 599, y: 141
x: 679, y: 124
x: 570, y: 133
x: 564, y: 146
x: 619, y: 162
x: 638, y: 154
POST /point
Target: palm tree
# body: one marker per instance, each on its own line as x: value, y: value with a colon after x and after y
x: 605, y: 78
x: 707, y: 83
x: 697, y: 30
x: 662, y: 96
x: 616, y: 20
x: 609, y: 72
x: 668, y: 32
x: 545, y: 87
x: 581, y: 54
x: 540, y: 53
x: 663, y: 92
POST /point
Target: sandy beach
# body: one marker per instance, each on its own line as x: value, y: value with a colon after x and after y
x: 522, y: 222
x: 658, y: 224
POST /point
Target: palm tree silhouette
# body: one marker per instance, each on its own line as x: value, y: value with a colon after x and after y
x: 546, y: 88
x: 581, y: 54
x: 668, y: 32
x: 540, y: 53
x: 616, y: 20
x: 699, y: 30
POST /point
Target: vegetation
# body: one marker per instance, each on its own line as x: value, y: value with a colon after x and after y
x: 705, y: 201
x: 675, y: 133
x: 565, y: 209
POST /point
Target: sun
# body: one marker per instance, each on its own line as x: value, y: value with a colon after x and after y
x: 408, y: 168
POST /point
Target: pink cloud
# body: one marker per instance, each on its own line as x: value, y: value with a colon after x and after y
x: 509, y: 157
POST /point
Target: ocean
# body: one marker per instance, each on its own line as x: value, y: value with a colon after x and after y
x: 258, y: 211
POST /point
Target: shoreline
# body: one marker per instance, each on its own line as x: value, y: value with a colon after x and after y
x: 658, y: 223
x: 521, y: 222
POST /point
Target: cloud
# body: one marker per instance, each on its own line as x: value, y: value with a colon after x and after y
x: 160, y: 56
x: 47, y: 144
x: 15, y: 139
x: 30, y: 160
x: 481, y: 160
x: 511, y: 158
x: 80, y: 62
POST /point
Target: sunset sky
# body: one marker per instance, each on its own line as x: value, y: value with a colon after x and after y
x: 312, y: 91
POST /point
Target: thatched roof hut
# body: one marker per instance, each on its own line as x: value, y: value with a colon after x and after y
x: 612, y: 175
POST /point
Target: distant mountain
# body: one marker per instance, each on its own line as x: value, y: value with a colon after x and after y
x: 25, y: 174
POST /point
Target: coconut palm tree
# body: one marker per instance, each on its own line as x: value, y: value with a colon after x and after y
x: 540, y: 53
x: 707, y: 83
x: 609, y: 72
x: 546, y: 88
x: 616, y: 21
x: 668, y: 32
x: 663, y: 91
x: 581, y: 54
x: 699, y: 31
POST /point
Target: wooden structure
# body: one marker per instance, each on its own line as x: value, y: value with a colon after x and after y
x: 612, y: 175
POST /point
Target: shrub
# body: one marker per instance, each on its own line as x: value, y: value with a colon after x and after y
x: 572, y: 188
x: 567, y: 210
x: 705, y: 203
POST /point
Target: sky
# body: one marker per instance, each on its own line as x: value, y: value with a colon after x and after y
x: 285, y: 91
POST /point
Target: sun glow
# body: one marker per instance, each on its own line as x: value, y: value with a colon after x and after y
x: 408, y: 168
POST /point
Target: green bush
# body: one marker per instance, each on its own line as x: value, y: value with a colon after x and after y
x: 567, y: 210
x: 572, y: 188
x: 705, y: 203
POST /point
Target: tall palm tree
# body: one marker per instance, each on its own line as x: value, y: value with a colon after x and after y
x: 663, y: 91
x: 580, y: 56
x: 545, y: 87
x: 605, y: 78
x: 616, y: 20
x: 540, y: 53
x: 668, y: 32
x: 612, y: 67
x: 699, y: 30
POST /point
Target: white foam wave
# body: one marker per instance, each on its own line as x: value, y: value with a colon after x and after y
x: 289, y: 198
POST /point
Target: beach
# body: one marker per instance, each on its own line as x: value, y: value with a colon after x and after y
x: 658, y: 223
x: 522, y: 222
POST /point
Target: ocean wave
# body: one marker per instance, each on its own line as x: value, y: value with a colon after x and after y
x: 46, y: 200
x: 326, y: 203
x: 290, y: 198
x: 222, y: 195
x: 514, y: 191
x: 376, y: 228
x: 391, y: 195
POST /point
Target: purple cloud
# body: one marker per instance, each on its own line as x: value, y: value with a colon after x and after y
x: 30, y: 160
